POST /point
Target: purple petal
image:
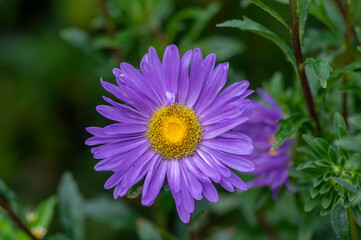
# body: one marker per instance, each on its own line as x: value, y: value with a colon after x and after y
x: 137, y: 81
x: 155, y: 184
x: 196, y: 80
x: 128, y: 112
x: 232, y: 92
x: 223, y: 127
x: 207, y: 169
x: 173, y: 175
x: 269, y: 100
x: 192, y: 168
x: 152, y: 71
x: 138, y: 169
x: 133, y: 98
x: 226, y: 185
x: 110, y: 149
x: 187, y: 200
x: 237, y: 182
x: 192, y: 183
x: 183, y: 81
x: 210, y: 192
x: 125, y: 128
x: 236, y: 162
x: 216, y: 82
x: 123, y: 160
x: 171, y: 62
x: 210, y: 160
x: 239, y: 147
x: 228, y: 111
x: 183, y: 214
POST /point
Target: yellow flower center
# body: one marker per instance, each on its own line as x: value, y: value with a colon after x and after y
x: 39, y: 232
x: 271, y: 140
x: 273, y: 152
x: 174, y: 131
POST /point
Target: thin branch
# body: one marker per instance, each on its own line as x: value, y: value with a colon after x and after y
x: 266, y: 227
x: 297, y: 51
x: 343, y: 10
x: 191, y: 233
x: 346, y: 58
x: 109, y: 27
x: 15, y: 218
x: 353, y: 227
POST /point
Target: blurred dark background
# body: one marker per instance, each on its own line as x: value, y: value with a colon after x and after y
x: 53, y: 53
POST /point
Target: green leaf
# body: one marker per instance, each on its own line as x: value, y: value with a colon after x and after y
x: 358, y: 48
x: 282, y: 1
x: 342, y: 132
x: 147, y: 230
x: 355, y: 121
x: 315, y: 192
x: 272, y: 12
x: 332, y: 154
x: 357, y: 216
x: 325, y: 188
x: 45, y: 212
x: 317, y: 39
x: 323, y: 145
x: 303, y: 13
x: 350, y: 143
x: 310, y: 204
x: 287, y: 128
x: 349, y: 68
x: 306, y: 165
x: 312, y: 144
x: 323, y: 163
x: 317, y: 181
x: 318, y: 9
x: 327, y: 176
x: 8, y: 194
x: 321, y: 69
x: 357, y: 200
x: 338, y: 121
x: 58, y: 236
x: 71, y: 207
x: 339, y: 221
x: 306, y: 229
x: 325, y: 212
x: 114, y: 212
x: 248, y: 25
x: 355, y: 162
x: 224, y: 47
x: 326, y: 201
x: 200, y: 18
x: 345, y: 184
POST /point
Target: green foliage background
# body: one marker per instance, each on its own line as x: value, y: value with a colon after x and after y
x: 52, y: 55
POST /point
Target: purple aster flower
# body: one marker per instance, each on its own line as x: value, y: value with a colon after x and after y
x: 175, y: 128
x: 271, y: 166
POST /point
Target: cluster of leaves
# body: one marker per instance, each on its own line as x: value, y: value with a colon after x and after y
x: 73, y: 212
x: 335, y: 172
x: 136, y: 25
x: 330, y: 172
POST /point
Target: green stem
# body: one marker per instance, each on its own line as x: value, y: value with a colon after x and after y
x: 346, y: 58
x: 353, y: 227
x: 344, y: 14
x: 15, y: 218
x: 110, y: 30
x: 297, y: 51
x: 266, y: 226
x: 191, y: 233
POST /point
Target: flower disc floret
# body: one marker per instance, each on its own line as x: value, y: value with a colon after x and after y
x: 174, y: 131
